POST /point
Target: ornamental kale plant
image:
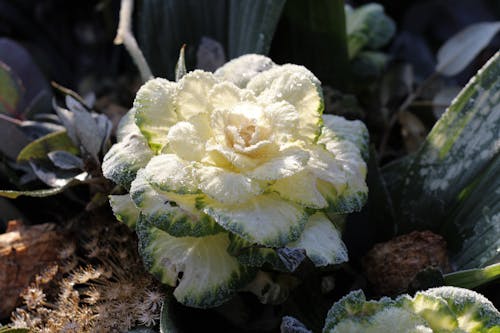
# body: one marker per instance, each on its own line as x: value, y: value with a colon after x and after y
x: 225, y: 170
x: 443, y: 309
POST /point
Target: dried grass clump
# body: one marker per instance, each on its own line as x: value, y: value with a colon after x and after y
x: 104, y: 289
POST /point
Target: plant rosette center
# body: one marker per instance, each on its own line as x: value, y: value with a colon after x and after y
x: 224, y: 169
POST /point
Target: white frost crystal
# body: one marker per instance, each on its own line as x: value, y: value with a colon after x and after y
x: 240, y: 156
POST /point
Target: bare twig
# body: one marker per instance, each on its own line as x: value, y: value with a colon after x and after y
x: 125, y: 36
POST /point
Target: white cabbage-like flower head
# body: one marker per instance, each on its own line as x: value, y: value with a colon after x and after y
x: 220, y: 161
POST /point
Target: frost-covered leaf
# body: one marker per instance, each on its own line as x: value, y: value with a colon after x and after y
x: 65, y: 160
x: 292, y: 325
x: 225, y: 186
x: 321, y: 241
x: 122, y: 161
x: 124, y: 209
x: 242, y: 69
x: 266, y: 219
x: 297, y: 86
x: 89, y: 134
x: 155, y: 111
x: 452, y: 182
x: 367, y: 26
x: 170, y: 173
x: 443, y: 309
x: 176, y: 214
x: 202, y: 272
x: 475, y: 313
x: 282, y: 259
x: 464, y: 46
x: 192, y: 94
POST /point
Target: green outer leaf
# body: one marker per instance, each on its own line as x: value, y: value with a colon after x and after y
x: 472, y: 278
x: 321, y: 241
x: 210, y: 275
x: 435, y: 311
x: 11, y: 91
x: 124, y: 209
x: 452, y: 183
x: 444, y: 309
x: 251, y: 25
x: 252, y: 255
x: 170, y: 212
x: 125, y: 158
x: 354, y: 305
x: 155, y: 112
x: 39, y: 148
x: 475, y: 312
x: 265, y: 219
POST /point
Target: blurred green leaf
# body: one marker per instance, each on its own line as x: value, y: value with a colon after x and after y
x: 472, y: 278
x: 251, y: 25
x: 11, y: 90
x: 40, y: 148
x: 463, y: 47
x: 243, y: 26
x: 452, y: 186
x: 367, y: 27
x: 313, y: 34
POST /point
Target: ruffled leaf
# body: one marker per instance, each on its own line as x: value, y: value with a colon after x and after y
x: 225, y: 186
x: 122, y: 161
x: 242, y: 69
x: 297, y: 86
x: 266, y: 219
x: 200, y: 268
x: 308, y: 195
x: 155, y: 111
x: 169, y: 173
x: 192, y: 94
x: 321, y: 241
x: 176, y: 214
x: 124, y: 209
